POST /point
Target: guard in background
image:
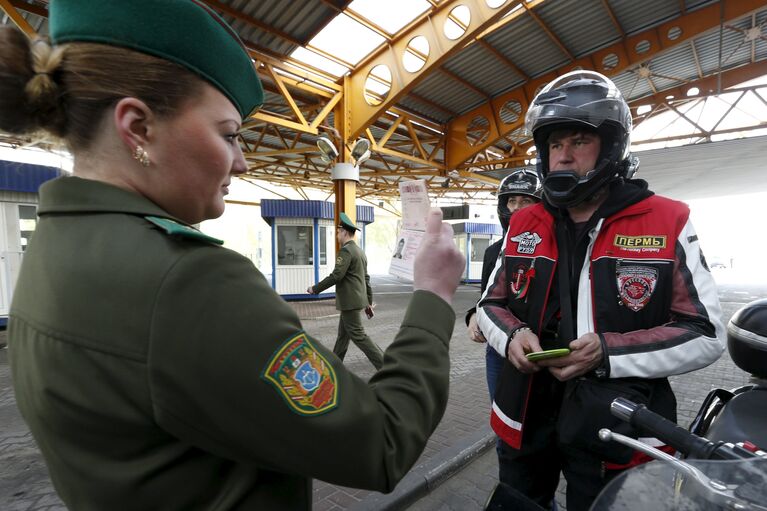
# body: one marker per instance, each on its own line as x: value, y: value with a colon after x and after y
x: 353, y: 294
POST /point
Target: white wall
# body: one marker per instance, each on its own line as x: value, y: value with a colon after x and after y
x: 732, y: 229
x: 10, y: 243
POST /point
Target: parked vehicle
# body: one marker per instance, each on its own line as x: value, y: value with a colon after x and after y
x: 724, y: 463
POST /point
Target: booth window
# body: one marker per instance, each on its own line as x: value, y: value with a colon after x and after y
x: 461, y: 244
x: 323, y: 246
x: 478, y: 247
x: 27, y: 223
x: 294, y: 245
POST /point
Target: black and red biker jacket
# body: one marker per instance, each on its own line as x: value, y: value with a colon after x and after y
x: 643, y: 287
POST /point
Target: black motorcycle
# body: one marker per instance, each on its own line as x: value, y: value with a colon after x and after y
x: 724, y: 463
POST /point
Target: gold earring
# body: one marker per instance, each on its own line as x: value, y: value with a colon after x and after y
x: 140, y: 155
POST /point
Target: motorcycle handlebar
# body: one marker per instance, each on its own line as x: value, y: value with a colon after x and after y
x: 670, y: 433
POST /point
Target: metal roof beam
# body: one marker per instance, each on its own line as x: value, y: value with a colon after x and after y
x: 707, y: 86
x: 303, y: 72
x: 625, y: 52
x: 440, y: 48
x: 17, y: 18
x: 250, y: 20
x: 549, y: 33
x: 432, y: 104
x: 614, y: 19
x: 696, y: 59
x: 463, y: 82
x: 724, y: 115
x: 362, y: 20
x: 31, y: 8
x: 502, y: 58
x: 703, y: 136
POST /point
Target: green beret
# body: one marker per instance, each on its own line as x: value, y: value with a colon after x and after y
x: 347, y: 222
x: 186, y: 32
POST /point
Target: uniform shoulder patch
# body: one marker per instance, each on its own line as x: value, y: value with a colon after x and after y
x: 303, y: 377
x: 344, y: 253
x: 174, y: 228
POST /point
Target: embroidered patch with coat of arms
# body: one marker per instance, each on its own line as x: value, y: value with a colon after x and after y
x: 303, y: 377
x: 636, y: 285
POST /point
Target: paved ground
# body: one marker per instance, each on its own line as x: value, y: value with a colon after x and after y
x: 456, y: 471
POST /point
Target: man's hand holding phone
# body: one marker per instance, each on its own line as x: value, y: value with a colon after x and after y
x: 535, y: 356
x: 522, y: 342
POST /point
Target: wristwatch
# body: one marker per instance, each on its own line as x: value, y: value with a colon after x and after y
x: 602, y: 371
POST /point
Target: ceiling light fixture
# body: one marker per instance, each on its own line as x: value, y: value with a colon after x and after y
x: 328, y: 151
x: 360, y: 151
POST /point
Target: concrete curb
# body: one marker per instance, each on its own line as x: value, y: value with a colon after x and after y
x: 425, y: 477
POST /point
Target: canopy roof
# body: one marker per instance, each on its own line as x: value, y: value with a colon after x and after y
x: 440, y: 87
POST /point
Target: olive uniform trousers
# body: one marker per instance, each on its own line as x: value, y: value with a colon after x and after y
x: 350, y: 327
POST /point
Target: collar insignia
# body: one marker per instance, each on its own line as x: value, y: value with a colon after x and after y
x: 173, y: 228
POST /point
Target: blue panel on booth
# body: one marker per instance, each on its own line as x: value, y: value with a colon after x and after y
x: 278, y: 208
x: 477, y: 228
x: 25, y: 177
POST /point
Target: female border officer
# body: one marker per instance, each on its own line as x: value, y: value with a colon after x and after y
x: 156, y: 369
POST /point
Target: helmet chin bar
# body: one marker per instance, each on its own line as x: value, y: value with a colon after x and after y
x: 566, y: 188
x: 559, y: 188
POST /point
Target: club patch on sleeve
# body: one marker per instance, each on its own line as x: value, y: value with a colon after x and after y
x: 303, y: 377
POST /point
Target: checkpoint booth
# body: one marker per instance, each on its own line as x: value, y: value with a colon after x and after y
x: 19, y: 184
x: 304, y: 243
x: 472, y: 239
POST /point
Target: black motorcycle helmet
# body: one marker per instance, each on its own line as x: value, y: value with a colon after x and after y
x: 747, y: 338
x: 581, y: 100
x: 519, y: 182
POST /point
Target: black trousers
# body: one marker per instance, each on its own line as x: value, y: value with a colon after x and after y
x: 534, y: 469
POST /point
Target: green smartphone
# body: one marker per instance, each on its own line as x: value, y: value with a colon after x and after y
x: 544, y: 355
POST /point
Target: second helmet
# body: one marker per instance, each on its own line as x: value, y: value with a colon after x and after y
x: 519, y: 182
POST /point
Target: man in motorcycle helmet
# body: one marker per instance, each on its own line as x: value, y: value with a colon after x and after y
x: 604, y: 268
x: 519, y: 189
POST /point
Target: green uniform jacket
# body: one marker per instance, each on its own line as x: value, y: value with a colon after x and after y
x: 157, y: 370
x: 350, y: 276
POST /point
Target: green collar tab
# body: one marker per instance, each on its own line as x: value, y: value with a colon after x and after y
x: 174, y: 228
x: 186, y: 32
